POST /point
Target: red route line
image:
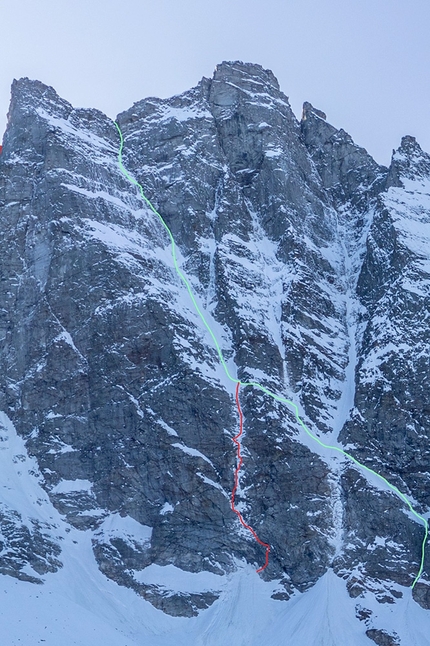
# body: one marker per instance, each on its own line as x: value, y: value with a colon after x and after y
x: 236, y: 440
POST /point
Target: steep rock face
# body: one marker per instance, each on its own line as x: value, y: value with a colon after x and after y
x: 390, y: 424
x: 310, y: 263
x: 257, y: 243
x: 95, y: 327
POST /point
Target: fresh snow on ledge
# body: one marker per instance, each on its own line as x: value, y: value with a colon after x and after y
x: 71, y: 486
x: 176, y: 580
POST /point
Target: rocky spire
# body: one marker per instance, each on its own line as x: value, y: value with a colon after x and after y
x: 409, y: 161
x: 346, y: 169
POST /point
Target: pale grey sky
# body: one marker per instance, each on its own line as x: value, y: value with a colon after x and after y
x: 366, y: 63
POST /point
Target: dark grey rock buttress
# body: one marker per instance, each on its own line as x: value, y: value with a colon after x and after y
x: 309, y: 261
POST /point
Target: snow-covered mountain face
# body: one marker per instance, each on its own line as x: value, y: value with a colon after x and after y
x: 311, y: 264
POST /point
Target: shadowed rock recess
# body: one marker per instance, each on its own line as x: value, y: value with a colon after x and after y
x: 312, y: 264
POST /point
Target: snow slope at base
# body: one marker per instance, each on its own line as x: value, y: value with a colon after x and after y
x: 92, y: 611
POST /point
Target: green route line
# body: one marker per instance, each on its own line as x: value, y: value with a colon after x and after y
x: 259, y: 386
